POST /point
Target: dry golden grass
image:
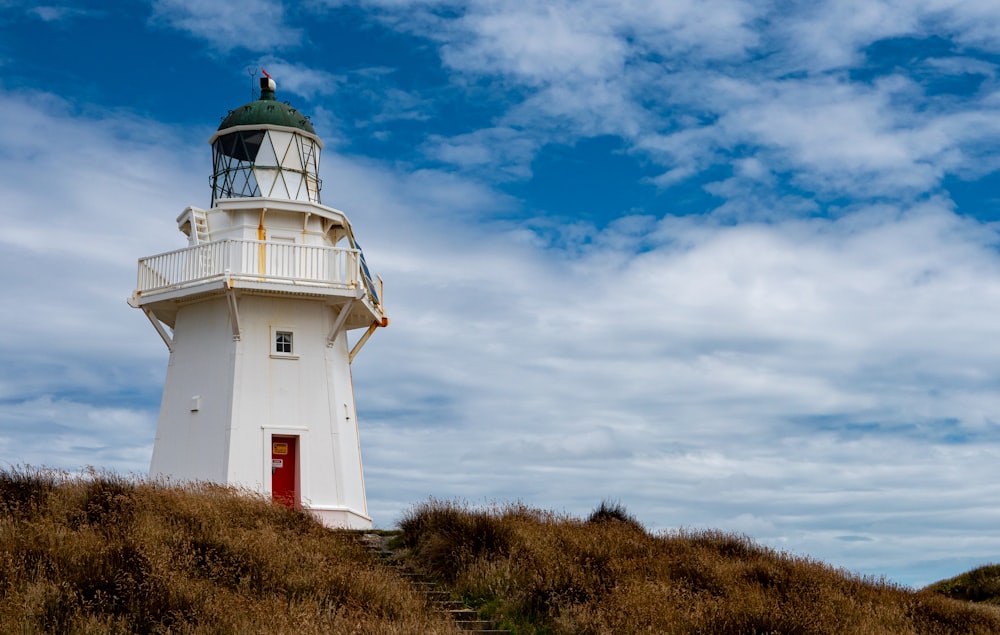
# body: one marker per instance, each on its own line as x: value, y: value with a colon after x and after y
x: 537, y: 572
x: 982, y: 584
x: 104, y: 554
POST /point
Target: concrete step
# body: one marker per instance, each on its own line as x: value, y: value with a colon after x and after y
x: 477, y: 626
x: 465, y: 618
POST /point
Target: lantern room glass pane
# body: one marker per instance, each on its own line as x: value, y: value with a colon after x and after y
x: 265, y: 179
x: 312, y: 187
x: 242, y: 145
x: 293, y: 157
x: 266, y: 155
x: 280, y: 140
x: 278, y: 190
x: 293, y: 180
x: 270, y: 163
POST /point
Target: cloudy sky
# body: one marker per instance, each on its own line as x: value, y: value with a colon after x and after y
x: 733, y: 263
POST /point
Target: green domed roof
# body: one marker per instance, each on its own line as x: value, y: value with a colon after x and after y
x: 266, y: 110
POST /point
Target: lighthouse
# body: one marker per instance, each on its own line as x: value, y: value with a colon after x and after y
x: 263, y: 313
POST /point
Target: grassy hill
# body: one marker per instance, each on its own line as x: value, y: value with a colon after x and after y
x: 979, y: 585
x: 537, y: 572
x: 107, y: 555
x: 103, y: 554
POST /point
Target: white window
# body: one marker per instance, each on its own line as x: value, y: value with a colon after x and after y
x: 283, y: 342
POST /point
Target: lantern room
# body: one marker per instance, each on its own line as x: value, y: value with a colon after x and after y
x: 266, y: 149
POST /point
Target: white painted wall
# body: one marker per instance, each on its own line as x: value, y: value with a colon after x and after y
x: 243, y: 223
x: 248, y: 393
x: 245, y: 393
x: 192, y: 444
x: 224, y: 397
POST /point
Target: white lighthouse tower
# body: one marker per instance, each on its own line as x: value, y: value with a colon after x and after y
x: 256, y: 313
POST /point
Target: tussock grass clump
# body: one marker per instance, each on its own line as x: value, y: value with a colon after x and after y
x: 538, y: 572
x: 613, y: 511
x: 107, y: 554
x: 449, y: 537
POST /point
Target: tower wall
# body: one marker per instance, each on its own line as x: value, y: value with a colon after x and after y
x: 279, y: 224
x: 192, y: 436
x: 251, y: 392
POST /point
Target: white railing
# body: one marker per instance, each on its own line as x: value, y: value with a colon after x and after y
x: 255, y: 260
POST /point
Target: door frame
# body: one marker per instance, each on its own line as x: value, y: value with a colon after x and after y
x: 301, y: 463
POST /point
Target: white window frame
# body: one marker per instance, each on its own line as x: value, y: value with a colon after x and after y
x: 273, y: 345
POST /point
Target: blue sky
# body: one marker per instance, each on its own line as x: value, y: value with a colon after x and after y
x: 733, y: 263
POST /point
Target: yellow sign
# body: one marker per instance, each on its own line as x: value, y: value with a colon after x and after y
x: 279, y: 448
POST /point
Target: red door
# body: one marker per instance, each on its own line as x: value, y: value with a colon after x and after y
x: 284, y: 471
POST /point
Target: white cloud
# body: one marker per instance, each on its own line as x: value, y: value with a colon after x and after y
x: 85, y: 196
x: 255, y: 25
x: 58, y: 13
x: 973, y: 23
x: 690, y: 85
x: 831, y: 135
x: 504, y: 150
x: 46, y: 432
x: 559, y: 41
x: 833, y: 33
x: 297, y: 79
x: 835, y: 136
x: 537, y: 43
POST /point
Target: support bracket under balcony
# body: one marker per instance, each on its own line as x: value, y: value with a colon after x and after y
x: 159, y: 329
x: 234, y: 314
x: 361, y: 342
x: 339, y: 322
